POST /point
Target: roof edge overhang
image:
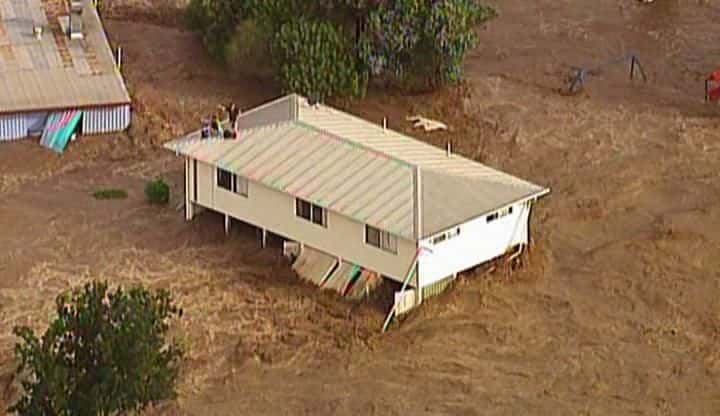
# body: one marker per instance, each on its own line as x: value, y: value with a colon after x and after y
x: 73, y: 107
x: 532, y: 196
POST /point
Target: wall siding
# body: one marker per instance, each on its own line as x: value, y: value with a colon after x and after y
x: 13, y: 127
x: 478, y: 242
x: 106, y: 119
x: 275, y: 211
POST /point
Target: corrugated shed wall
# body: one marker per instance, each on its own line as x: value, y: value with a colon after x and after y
x: 13, y: 127
x: 106, y: 119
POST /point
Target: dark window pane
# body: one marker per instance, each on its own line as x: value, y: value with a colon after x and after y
x: 318, y: 216
x: 224, y: 179
x: 303, y: 209
x: 372, y: 236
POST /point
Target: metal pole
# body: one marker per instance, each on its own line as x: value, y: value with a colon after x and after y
x: 707, y: 90
x: 632, y: 67
x: 119, y: 58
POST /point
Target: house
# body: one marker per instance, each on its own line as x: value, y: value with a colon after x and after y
x: 58, y: 74
x: 350, y: 192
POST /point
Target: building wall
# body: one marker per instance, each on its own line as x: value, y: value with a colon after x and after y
x: 268, y: 113
x: 275, y: 211
x: 12, y: 126
x: 95, y: 121
x: 105, y: 119
x: 478, y: 242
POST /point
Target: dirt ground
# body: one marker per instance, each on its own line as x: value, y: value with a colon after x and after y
x: 616, y: 313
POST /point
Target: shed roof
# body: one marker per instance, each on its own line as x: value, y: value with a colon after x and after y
x: 54, y: 72
x: 358, y: 169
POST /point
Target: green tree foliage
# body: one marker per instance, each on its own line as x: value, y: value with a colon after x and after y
x: 316, y: 60
x: 104, y: 354
x: 157, y: 192
x: 400, y: 39
x: 425, y: 40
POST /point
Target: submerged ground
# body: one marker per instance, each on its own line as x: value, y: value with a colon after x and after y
x: 616, y: 313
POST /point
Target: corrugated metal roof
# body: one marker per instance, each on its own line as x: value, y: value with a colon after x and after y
x: 315, y: 166
x: 359, y: 169
x: 54, y: 72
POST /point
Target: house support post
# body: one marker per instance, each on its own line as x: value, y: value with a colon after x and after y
x: 189, y: 208
x: 227, y: 224
x: 418, y: 288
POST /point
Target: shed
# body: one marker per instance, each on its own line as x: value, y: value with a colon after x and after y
x: 57, y: 71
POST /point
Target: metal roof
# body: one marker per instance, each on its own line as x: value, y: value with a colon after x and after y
x: 295, y: 158
x: 358, y: 169
x: 54, y: 72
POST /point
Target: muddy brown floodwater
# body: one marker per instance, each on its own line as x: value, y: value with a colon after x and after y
x: 616, y: 312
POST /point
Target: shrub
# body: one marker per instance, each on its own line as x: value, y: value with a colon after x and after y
x: 110, y: 193
x: 157, y: 192
x: 105, y: 353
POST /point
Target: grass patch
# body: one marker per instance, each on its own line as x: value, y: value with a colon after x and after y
x: 110, y: 193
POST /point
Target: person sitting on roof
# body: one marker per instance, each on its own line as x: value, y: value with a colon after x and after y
x: 215, y: 126
x: 205, y: 129
x: 232, y: 112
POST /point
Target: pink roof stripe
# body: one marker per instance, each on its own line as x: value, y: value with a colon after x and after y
x: 340, y: 205
x: 315, y: 184
x: 304, y: 189
x: 255, y: 171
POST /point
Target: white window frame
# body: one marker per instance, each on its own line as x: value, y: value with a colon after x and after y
x: 313, y: 207
x: 387, y: 242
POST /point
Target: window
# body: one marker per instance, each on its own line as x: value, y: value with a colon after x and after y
x: 446, y: 235
x: 381, y: 239
x: 499, y: 214
x: 311, y: 212
x: 318, y: 215
x: 224, y: 179
x: 232, y: 182
x: 240, y: 185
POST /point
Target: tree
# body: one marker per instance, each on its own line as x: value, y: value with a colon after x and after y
x: 347, y: 41
x: 104, y: 354
x: 316, y: 60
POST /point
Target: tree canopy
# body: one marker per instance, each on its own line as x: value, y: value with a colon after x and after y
x: 105, y: 353
x: 321, y: 48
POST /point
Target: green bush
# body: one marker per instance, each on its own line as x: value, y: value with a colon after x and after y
x: 105, y: 353
x: 157, y: 192
x: 110, y: 193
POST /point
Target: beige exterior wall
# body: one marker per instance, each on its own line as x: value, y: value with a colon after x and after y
x: 275, y: 211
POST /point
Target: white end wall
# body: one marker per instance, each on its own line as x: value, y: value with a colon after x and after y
x: 477, y: 243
